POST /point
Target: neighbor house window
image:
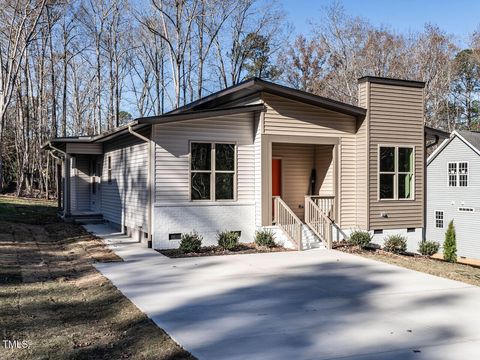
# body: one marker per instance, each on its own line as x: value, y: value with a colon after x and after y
x: 396, y: 172
x: 109, y: 169
x: 458, y: 174
x: 212, y: 171
x: 439, y: 219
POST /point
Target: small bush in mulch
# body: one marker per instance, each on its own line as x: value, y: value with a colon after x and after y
x: 265, y: 238
x: 450, y: 244
x: 241, y: 248
x: 359, y: 238
x: 428, y: 248
x: 190, y: 243
x: 396, y: 244
x: 228, y: 240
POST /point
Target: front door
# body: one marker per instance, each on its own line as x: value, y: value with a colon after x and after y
x: 276, y: 181
x: 276, y: 177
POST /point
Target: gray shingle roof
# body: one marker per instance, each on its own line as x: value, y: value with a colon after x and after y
x: 473, y: 137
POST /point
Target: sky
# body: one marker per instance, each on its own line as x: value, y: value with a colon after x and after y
x: 457, y: 17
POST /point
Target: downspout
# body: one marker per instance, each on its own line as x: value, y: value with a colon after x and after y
x: 149, y: 184
x: 425, y: 174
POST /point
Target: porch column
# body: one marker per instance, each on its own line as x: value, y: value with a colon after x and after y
x: 266, y: 188
x: 67, y: 184
x: 59, y: 185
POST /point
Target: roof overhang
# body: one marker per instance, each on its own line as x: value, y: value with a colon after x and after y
x: 192, y: 115
x: 255, y: 85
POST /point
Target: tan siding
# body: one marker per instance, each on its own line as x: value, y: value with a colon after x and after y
x: 125, y: 199
x: 297, y: 163
x: 396, y: 118
x: 324, y: 166
x: 362, y: 161
x: 288, y: 117
x: 172, y: 154
x: 258, y: 169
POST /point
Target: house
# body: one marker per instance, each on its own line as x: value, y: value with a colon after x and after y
x: 257, y: 155
x: 453, y: 173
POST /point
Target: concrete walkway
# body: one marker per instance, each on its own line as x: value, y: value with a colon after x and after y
x: 316, y: 304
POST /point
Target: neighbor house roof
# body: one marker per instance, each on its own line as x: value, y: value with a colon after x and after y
x: 470, y: 138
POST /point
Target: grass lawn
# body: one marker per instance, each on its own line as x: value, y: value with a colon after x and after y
x: 53, y: 298
x: 460, y: 272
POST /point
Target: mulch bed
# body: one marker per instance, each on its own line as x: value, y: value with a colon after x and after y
x: 244, y: 248
x: 454, y: 271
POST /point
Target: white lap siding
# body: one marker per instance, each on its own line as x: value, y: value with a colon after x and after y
x: 82, y: 183
x: 174, y: 212
x: 125, y: 198
x: 441, y: 197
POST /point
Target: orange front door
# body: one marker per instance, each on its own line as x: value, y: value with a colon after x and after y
x: 276, y: 177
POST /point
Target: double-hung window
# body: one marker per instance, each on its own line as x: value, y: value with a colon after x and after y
x: 396, y: 172
x: 212, y: 171
x: 439, y: 217
x: 458, y: 174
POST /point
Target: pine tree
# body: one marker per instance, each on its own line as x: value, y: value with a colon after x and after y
x: 450, y: 244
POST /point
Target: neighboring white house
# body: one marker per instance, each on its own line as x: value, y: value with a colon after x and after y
x: 453, y: 192
x: 257, y: 155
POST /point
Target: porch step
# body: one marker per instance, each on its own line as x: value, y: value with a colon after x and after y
x: 87, y: 219
x: 310, y: 240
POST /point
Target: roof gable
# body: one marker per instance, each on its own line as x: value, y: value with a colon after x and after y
x: 469, y: 138
x: 255, y: 85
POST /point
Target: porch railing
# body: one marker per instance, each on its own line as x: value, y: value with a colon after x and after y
x: 286, y: 219
x: 318, y: 220
x: 326, y: 204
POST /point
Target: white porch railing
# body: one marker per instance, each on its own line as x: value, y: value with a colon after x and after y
x: 326, y: 204
x: 318, y: 220
x: 286, y: 219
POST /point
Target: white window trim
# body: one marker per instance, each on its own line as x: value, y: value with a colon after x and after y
x: 458, y: 174
x: 435, y: 219
x: 395, y: 173
x: 212, y: 171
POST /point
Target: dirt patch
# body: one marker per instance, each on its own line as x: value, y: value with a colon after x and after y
x: 460, y: 272
x: 244, y: 248
x: 53, y: 298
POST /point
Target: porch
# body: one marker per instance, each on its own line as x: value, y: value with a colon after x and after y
x: 303, y: 187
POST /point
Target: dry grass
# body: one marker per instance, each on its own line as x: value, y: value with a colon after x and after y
x: 464, y: 273
x: 52, y: 296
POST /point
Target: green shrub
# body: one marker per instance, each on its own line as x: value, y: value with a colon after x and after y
x: 359, y: 238
x: 191, y: 242
x: 396, y: 244
x: 228, y: 240
x: 265, y: 238
x: 450, y: 244
x: 428, y: 248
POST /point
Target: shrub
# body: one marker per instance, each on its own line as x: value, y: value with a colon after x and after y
x: 428, y: 248
x: 265, y: 238
x: 396, y: 244
x: 360, y: 238
x: 191, y: 242
x: 450, y: 244
x: 228, y: 240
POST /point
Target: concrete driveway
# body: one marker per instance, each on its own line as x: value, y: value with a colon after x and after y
x: 317, y: 304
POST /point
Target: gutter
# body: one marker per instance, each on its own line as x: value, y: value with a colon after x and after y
x: 149, y: 184
x: 435, y: 142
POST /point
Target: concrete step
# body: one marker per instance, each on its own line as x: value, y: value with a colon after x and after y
x: 310, y: 240
x: 84, y: 221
